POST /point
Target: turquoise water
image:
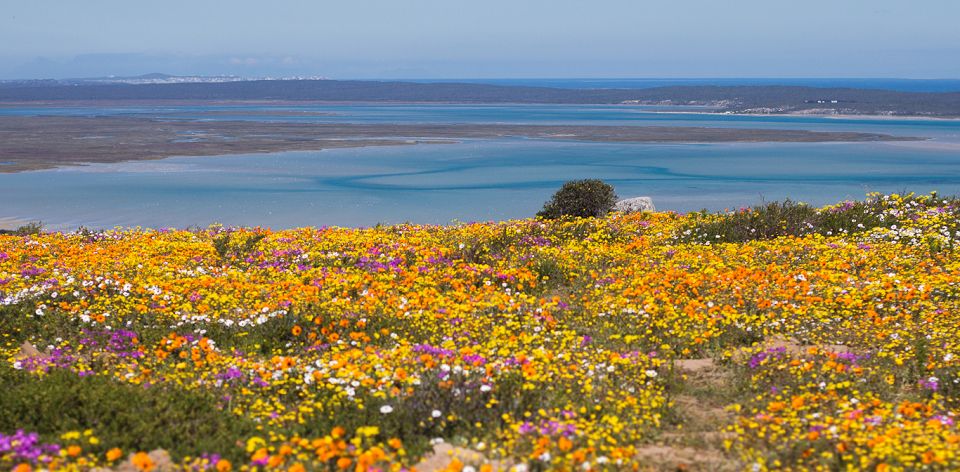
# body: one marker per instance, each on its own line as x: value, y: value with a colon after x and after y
x: 476, y: 179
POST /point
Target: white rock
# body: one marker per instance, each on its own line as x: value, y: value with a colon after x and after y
x: 635, y: 204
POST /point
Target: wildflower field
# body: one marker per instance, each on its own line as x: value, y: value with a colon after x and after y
x: 780, y: 337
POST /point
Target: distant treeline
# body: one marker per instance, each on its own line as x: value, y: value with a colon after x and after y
x: 761, y: 99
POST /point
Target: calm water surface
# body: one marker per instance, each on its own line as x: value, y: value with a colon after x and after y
x: 475, y: 179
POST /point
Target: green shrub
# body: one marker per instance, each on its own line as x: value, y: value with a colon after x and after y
x: 128, y: 416
x: 35, y: 227
x: 786, y: 218
x: 582, y: 198
x: 768, y: 221
x: 235, y: 247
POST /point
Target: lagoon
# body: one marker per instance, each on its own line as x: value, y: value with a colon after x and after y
x: 482, y: 179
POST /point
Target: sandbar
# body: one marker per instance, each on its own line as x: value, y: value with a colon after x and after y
x: 43, y: 142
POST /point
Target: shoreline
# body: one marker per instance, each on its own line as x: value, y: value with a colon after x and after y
x: 681, y: 109
x: 813, y: 115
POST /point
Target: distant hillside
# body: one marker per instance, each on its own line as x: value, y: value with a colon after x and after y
x: 318, y: 90
x: 739, y: 99
x: 152, y: 78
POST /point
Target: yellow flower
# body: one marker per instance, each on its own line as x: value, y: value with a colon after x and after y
x: 255, y: 443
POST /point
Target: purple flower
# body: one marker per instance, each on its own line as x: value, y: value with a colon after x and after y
x: 525, y: 428
x: 946, y: 420
x: 536, y: 241
x: 31, y: 271
x: 845, y: 206
x: 475, y: 359
x: 757, y: 359
x: 22, y: 446
x: 433, y: 350
x: 230, y: 374
x: 260, y: 382
x: 932, y: 383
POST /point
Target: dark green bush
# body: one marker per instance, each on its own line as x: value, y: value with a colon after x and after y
x: 583, y: 198
x: 128, y: 416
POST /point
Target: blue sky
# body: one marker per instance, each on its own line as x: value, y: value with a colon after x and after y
x: 482, y: 39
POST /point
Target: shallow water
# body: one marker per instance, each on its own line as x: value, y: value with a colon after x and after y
x: 477, y: 179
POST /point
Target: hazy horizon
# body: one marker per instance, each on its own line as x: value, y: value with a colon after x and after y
x: 449, y: 39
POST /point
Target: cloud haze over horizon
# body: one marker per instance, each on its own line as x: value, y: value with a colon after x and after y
x: 493, y: 38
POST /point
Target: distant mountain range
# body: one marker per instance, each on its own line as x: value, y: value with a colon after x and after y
x: 762, y: 99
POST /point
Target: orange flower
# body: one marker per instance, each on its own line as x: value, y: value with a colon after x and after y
x: 344, y: 463
x: 74, y: 451
x: 143, y: 462
x: 797, y: 402
x: 224, y: 465
x: 114, y: 454
x: 454, y: 466
x: 296, y: 330
x: 260, y: 455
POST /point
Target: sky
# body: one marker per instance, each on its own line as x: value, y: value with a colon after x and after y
x: 378, y: 39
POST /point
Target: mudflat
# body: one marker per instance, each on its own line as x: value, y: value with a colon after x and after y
x: 40, y: 142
